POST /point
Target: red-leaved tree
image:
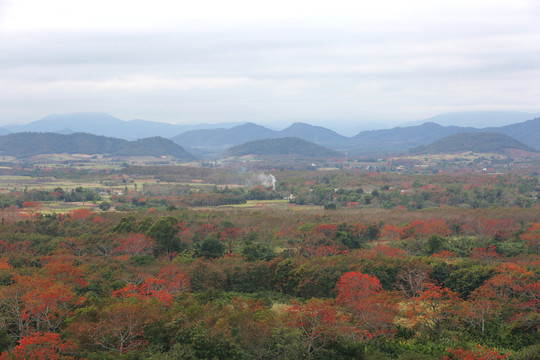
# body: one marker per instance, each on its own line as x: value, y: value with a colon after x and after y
x: 362, y: 296
x: 42, y: 346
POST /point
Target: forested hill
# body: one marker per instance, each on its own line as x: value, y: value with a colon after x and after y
x: 481, y: 142
x: 30, y: 144
x: 283, y: 146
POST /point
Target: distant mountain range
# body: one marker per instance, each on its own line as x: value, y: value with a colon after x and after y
x: 292, y: 146
x: 399, y: 139
x: 22, y: 145
x: 104, y: 124
x: 478, y: 142
x: 213, y: 140
x: 480, y: 119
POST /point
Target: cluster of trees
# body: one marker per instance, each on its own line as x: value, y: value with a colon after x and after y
x: 202, y: 284
x: 333, y: 189
x: 435, y: 191
x: 78, y: 194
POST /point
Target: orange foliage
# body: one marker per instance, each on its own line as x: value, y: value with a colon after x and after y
x: 42, y: 346
x: 383, y: 251
x: 484, y: 253
x: 390, y: 233
x: 135, y: 244
x: 420, y: 228
x: 80, y: 214
x: 4, y: 264
x: 168, y: 284
x: 65, y: 272
x: 320, y: 324
x: 362, y: 295
x: 532, y: 237
x: 445, y: 254
x: 482, y: 353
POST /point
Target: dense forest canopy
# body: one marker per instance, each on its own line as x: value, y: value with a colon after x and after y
x: 166, y: 262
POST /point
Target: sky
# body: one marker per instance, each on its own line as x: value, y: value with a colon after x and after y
x: 330, y: 63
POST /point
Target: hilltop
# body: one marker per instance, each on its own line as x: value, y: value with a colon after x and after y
x: 23, y: 145
x: 481, y: 142
x: 283, y: 146
x: 104, y: 124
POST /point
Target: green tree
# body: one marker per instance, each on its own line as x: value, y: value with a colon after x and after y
x: 164, y: 232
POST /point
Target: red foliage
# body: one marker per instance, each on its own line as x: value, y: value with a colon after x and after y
x: 445, y: 254
x: 65, y: 272
x: 80, y: 214
x: 168, y: 284
x: 361, y: 295
x: 485, y: 253
x: 135, y: 244
x: 390, y: 232
x: 207, y: 229
x: 328, y: 230
x: 435, y: 305
x: 320, y: 324
x: 532, y: 237
x: 32, y: 208
x: 482, y: 353
x: 4, y: 246
x: 45, y: 301
x: 500, y: 229
x: 423, y: 229
x: 42, y: 346
x: 354, y: 286
x: 330, y: 250
x: 4, y: 264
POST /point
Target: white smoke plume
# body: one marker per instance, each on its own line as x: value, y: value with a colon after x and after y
x: 266, y: 180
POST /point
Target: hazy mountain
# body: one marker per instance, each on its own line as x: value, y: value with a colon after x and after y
x: 477, y: 119
x: 283, y: 146
x: 481, y: 142
x: 30, y: 144
x: 214, y: 141
x: 211, y: 142
x: 401, y: 138
x: 105, y: 124
x: 527, y: 132
x: 398, y: 139
x: 207, y: 140
x: 316, y: 134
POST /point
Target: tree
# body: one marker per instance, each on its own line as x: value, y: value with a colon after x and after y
x: 36, y: 303
x: 164, y: 234
x: 532, y: 238
x: 362, y: 295
x: 481, y: 353
x: 32, y: 208
x: 211, y: 248
x: 168, y: 284
x: 104, y: 206
x: 411, y: 279
x: 117, y: 327
x: 42, y: 346
x: 136, y: 244
x: 480, y: 307
x: 432, y: 308
x: 320, y: 324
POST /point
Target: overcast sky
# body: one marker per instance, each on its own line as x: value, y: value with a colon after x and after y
x: 272, y: 62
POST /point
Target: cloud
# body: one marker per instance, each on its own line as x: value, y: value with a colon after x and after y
x: 279, y: 61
